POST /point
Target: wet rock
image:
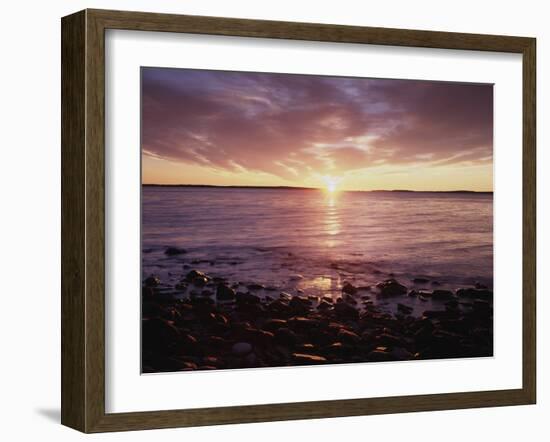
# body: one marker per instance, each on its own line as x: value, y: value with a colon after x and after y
x: 442, y: 295
x: 480, y: 286
x: 347, y: 336
x: 451, y: 305
x: 386, y: 339
x: 224, y: 293
x: 241, y: 348
x: 279, y: 308
x: 481, y: 307
x: 324, y: 306
x: 257, y: 336
x: 182, y: 285
x: 255, y: 287
x: 215, y: 342
x: 404, y: 308
x: 299, y: 305
x: 300, y: 323
x: 440, y: 314
x: 346, y: 311
x: 474, y: 293
x: 159, y: 335
x: 251, y: 360
x: 285, y: 336
x: 200, y: 281
x: 251, y: 309
x: 152, y: 281
x: 401, y: 354
x: 285, y: 295
x: 349, y: 288
x: 151, y: 310
x: 336, y: 349
x: 274, y: 324
x: 207, y: 293
x: 436, y: 283
x: 187, y: 341
x: 301, y: 358
x: 247, y: 298
x: 391, y: 287
x: 194, y: 274
x: 187, y: 366
x: 349, y: 299
x: 379, y: 356
x: 173, y: 251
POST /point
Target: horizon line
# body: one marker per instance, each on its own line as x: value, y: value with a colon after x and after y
x: 309, y: 188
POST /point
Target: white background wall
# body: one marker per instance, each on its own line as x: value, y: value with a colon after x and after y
x: 30, y: 216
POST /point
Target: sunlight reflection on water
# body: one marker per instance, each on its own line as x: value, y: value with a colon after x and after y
x: 264, y: 236
x: 332, y: 220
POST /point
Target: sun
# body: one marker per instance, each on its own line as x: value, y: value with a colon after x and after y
x: 331, y: 184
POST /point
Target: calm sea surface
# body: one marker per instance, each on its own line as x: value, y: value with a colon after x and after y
x: 310, y: 241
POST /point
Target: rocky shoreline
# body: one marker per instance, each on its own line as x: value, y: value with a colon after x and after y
x: 224, y: 325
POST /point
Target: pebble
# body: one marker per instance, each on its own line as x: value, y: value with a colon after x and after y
x: 241, y: 348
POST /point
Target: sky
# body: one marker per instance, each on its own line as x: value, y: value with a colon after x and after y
x: 265, y: 129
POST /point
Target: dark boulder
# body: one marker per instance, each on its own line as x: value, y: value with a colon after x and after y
x: 391, y: 287
x: 475, y: 293
x: 152, y: 281
x: 285, y: 336
x: 247, y: 298
x: 349, y: 288
x: 404, y: 308
x: 346, y: 311
x: 194, y: 274
x: 241, y: 348
x: 347, y: 336
x: 255, y: 287
x: 200, y: 281
x: 159, y: 335
x: 224, y: 293
x: 274, y: 324
x: 442, y: 295
x: 299, y: 305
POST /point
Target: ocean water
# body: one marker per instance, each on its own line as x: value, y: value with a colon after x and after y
x: 311, y: 242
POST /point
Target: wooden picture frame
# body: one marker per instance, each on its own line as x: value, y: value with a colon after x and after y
x: 83, y: 220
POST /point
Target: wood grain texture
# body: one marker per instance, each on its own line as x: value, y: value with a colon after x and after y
x: 73, y: 253
x: 83, y: 220
x: 529, y: 221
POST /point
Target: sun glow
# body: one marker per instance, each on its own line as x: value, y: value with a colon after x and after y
x: 331, y: 184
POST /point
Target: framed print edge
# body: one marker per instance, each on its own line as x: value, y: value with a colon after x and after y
x: 83, y: 221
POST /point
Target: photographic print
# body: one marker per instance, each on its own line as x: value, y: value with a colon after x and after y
x: 304, y: 219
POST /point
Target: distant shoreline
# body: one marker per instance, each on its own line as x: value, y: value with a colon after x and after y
x: 311, y: 188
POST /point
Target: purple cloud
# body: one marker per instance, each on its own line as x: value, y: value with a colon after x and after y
x: 294, y: 125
